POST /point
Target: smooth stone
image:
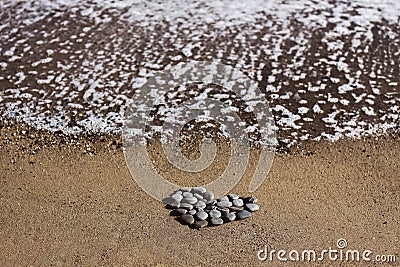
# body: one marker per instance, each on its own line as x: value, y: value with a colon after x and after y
x: 214, y: 213
x: 187, y: 219
x: 187, y: 194
x: 192, y: 212
x: 198, y: 190
x: 177, y: 197
x: 230, y: 217
x: 198, y: 196
x: 224, y: 204
x: 200, y: 204
x: 236, y: 208
x: 223, y: 211
x: 178, y: 212
x: 190, y: 200
x: 179, y: 192
x: 238, y: 202
x: 216, y: 221
x: 250, y: 200
x: 172, y: 202
x: 200, y: 224
x: 222, y: 199
x: 201, y: 215
x: 186, y: 206
x: 208, y: 196
x: 243, y: 214
x: 185, y: 189
x: 252, y: 207
x: 233, y: 196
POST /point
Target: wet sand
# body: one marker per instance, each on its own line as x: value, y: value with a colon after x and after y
x: 74, y: 203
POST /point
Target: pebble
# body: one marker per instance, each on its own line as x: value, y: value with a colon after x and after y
x: 192, y: 212
x: 200, y: 204
x: 201, y: 215
x: 198, y: 196
x: 252, y: 207
x: 230, y: 217
x: 216, y: 221
x: 171, y: 202
x: 185, y: 189
x: 238, y: 202
x: 200, y: 224
x: 198, y: 190
x: 208, y: 196
x: 178, y: 212
x: 187, y: 219
x: 224, y: 204
x: 186, y: 206
x: 197, y: 208
x: 187, y: 194
x: 190, y: 200
x: 177, y: 197
x: 214, y: 213
x: 236, y: 208
x: 243, y: 214
x: 222, y: 199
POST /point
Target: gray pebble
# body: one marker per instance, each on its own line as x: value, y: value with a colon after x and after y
x: 200, y: 224
x: 171, y: 202
x: 238, y: 202
x: 187, y: 194
x: 198, y: 190
x: 208, y: 196
x: 224, y: 204
x: 198, y: 196
x: 200, y: 204
x: 252, y: 207
x: 192, y: 212
x: 178, y: 212
x: 230, y: 217
x: 201, y: 215
x: 233, y: 196
x: 221, y: 199
x: 214, y: 213
x: 178, y: 192
x: 186, y: 206
x: 177, y: 197
x: 186, y: 219
x: 243, y: 214
x: 216, y: 221
x: 233, y: 208
x: 185, y: 189
x: 190, y: 200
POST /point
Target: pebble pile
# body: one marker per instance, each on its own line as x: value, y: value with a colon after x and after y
x: 197, y: 208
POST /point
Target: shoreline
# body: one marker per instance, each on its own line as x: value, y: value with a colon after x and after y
x: 70, y: 205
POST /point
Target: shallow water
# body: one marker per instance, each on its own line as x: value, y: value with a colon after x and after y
x: 328, y: 69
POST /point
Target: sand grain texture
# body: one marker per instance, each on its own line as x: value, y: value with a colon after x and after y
x: 64, y: 207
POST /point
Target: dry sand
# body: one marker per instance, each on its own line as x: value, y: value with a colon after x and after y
x: 74, y: 203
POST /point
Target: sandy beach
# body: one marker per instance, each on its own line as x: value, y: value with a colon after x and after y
x: 74, y: 203
x: 324, y: 82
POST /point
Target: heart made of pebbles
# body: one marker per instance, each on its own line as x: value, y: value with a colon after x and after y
x: 197, y: 208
